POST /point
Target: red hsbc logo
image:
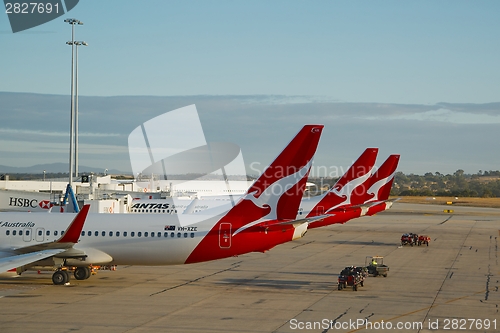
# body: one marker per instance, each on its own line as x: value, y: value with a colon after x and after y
x: 45, y: 204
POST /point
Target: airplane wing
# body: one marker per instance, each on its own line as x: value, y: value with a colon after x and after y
x: 33, y: 253
x: 67, y: 240
x: 11, y: 262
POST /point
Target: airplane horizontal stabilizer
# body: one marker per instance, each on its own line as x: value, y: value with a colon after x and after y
x: 306, y: 220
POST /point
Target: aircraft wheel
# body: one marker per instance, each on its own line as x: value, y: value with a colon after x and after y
x: 60, y: 277
x: 66, y: 274
x: 82, y: 273
x: 88, y: 272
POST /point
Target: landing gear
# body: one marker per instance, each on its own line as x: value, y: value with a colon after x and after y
x: 60, y: 277
x: 82, y: 273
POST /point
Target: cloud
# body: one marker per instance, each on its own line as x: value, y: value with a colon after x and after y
x: 486, y: 108
x: 443, y: 115
x: 10, y: 131
x: 278, y: 99
x: 11, y: 146
x: 441, y: 137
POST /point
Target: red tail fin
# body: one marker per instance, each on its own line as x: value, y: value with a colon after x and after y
x: 277, y: 193
x: 381, y: 181
x: 348, y: 187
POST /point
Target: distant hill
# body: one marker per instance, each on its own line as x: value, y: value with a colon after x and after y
x: 54, y: 168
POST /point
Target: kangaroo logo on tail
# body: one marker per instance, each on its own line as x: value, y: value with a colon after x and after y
x: 381, y: 181
x: 346, y: 189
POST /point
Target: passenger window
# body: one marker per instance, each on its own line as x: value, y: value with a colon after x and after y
x: 172, y: 235
x: 103, y: 233
x: 117, y: 234
x: 178, y: 235
x: 62, y: 232
x: 96, y: 233
x: 47, y: 233
x: 146, y: 234
x: 132, y: 234
x: 83, y: 233
x: 111, y: 234
x: 13, y: 232
x: 152, y: 234
x: 139, y: 234
x: 20, y: 232
x: 165, y: 234
x: 185, y: 235
x: 159, y: 234
x: 7, y: 232
x: 55, y: 233
x: 192, y: 235
x: 89, y: 233
x: 124, y: 234
x: 27, y: 232
x: 40, y: 233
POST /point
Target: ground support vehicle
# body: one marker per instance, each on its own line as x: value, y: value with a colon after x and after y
x: 375, y: 266
x: 351, y: 277
x: 409, y: 239
x: 423, y: 239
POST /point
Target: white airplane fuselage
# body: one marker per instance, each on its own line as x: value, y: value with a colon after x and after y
x: 140, y: 239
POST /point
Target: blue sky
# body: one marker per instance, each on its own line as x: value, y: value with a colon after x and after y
x: 419, y: 78
x: 351, y: 51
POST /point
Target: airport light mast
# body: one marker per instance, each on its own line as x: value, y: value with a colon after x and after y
x: 72, y: 117
x: 76, y: 105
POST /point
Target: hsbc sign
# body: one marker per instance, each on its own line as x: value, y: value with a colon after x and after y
x: 30, y: 203
x: 23, y: 202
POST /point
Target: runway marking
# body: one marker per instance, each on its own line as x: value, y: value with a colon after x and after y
x: 423, y: 309
x: 195, y: 280
x: 302, y: 244
x: 446, y: 220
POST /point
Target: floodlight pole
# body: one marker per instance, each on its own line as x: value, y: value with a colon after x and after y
x: 76, y: 105
x: 76, y: 110
x: 72, y: 117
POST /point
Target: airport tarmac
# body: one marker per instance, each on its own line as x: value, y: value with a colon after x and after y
x: 451, y: 285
